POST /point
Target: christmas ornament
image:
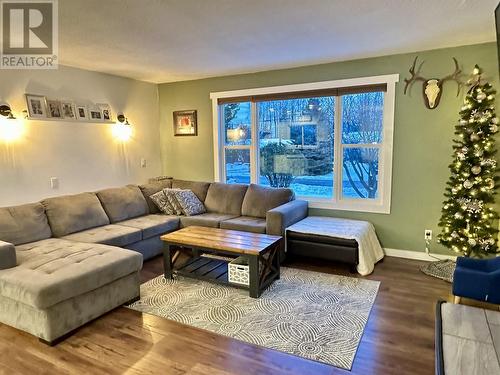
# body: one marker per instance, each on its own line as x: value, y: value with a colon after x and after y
x: 476, y: 169
x: 475, y: 206
x: 486, y: 243
x: 493, y: 128
x: 489, y: 163
x: 494, y: 120
x: 458, y: 216
x: 472, y: 242
x: 468, y: 184
x: 474, y: 137
x: 481, y: 96
x: 490, y: 184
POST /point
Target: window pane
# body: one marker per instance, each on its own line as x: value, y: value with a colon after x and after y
x: 362, y: 118
x: 360, y: 173
x: 237, y: 166
x: 310, y: 134
x: 296, y: 145
x: 237, y: 123
x: 296, y: 134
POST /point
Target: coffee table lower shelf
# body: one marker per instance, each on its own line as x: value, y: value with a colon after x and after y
x: 215, y: 270
x: 208, y: 269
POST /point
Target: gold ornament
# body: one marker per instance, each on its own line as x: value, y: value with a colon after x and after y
x: 476, y: 169
x: 468, y: 184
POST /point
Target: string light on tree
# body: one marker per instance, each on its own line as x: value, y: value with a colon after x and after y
x: 467, y: 216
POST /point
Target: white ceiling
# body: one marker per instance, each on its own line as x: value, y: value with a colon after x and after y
x: 173, y: 40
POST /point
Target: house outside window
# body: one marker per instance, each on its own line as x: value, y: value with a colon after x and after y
x: 331, y: 142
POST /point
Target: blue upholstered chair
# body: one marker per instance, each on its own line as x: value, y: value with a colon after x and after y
x: 478, y: 279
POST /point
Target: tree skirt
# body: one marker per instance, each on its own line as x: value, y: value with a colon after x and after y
x: 442, y: 269
x: 312, y: 315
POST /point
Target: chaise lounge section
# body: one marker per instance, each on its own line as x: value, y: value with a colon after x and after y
x: 57, y: 285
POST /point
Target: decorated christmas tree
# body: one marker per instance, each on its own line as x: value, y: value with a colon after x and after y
x: 468, y: 218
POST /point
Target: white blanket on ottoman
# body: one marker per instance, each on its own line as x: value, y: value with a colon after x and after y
x: 370, y: 251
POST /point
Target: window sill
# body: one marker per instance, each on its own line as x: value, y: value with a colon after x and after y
x: 352, y: 205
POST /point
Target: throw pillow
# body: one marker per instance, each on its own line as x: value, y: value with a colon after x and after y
x: 189, y: 202
x: 170, y: 194
x: 161, y: 201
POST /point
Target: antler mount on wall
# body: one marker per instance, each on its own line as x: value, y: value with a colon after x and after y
x: 432, y: 88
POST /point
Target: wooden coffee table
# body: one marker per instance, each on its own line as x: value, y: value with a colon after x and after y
x: 261, y: 251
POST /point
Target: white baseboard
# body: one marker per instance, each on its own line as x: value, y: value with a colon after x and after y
x: 416, y: 255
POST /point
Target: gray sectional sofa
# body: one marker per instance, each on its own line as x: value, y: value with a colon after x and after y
x: 67, y: 260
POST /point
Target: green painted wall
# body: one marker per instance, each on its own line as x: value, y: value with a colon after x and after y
x: 422, y: 137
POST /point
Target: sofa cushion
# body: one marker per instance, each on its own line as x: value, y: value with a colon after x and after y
x: 153, y: 225
x: 149, y: 248
x: 113, y: 234
x: 260, y: 199
x: 161, y: 201
x: 189, y: 202
x: 23, y: 224
x: 74, y: 213
x: 225, y: 198
x: 123, y: 203
x: 54, y: 270
x: 205, y: 220
x: 172, y: 201
x: 199, y: 188
x: 245, y: 223
x: 152, y: 188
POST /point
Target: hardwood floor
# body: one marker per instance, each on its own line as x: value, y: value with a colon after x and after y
x: 399, y: 337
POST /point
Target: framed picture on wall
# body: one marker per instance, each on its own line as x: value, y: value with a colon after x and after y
x: 36, y: 106
x: 185, y: 123
x: 95, y: 114
x: 82, y: 113
x: 106, y: 111
x: 54, y: 108
x: 68, y: 109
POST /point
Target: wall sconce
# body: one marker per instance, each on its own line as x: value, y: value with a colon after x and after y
x: 10, y: 129
x: 122, y: 130
x: 6, y: 112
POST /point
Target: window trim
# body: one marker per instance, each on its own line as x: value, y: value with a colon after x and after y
x: 380, y: 205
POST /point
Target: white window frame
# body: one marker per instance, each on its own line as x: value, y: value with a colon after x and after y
x: 382, y: 204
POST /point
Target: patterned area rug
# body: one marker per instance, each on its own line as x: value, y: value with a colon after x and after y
x: 308, y: 314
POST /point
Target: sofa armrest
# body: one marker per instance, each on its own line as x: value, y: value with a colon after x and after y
x: 7, y: 255
x: 281, y: 217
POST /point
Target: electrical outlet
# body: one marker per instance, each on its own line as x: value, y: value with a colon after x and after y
x: 428, y: 234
